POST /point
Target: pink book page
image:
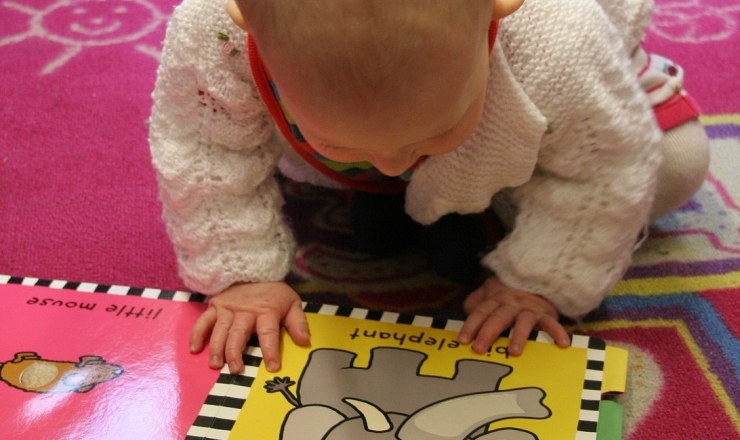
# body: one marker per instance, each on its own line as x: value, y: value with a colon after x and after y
x: 94, y: 365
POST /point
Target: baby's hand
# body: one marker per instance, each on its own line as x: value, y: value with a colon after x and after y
x: 494, y: 307
x: 237, y: 312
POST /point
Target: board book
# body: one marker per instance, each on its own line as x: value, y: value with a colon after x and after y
x: 94, y: 361
x: 375, y: 375
x: 81, y: 360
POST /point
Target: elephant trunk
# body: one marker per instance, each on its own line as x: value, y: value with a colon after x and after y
x: 458, y: 417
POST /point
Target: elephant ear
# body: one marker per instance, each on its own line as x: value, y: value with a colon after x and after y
x: 310, y: 422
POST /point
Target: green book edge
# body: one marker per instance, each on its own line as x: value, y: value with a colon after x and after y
x: 610, y: 421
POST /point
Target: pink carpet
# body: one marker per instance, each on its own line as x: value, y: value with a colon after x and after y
x: 78, y: 202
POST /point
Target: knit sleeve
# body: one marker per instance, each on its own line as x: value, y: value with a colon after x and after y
x: 581, y: 214
x: 214, y: 149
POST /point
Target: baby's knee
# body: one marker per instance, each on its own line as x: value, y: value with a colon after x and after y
x: 684, y: 168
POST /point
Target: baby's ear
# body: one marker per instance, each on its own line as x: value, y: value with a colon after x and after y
x: 236, y: 14
x: 504, y: 8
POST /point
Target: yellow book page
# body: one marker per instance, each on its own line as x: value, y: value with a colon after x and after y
x: 615, y: 370
x: 410, y: 381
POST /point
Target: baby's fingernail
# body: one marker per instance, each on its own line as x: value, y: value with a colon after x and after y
x: 193, y: 348
x: 463, y: 339
x: 215, y: 360
x: 272, y: 365
x: 234, y: 368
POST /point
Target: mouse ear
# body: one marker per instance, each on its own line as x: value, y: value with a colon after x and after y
x: 25, y: 356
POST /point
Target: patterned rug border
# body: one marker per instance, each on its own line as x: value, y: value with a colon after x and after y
x: 697, y: 353
x: 720, y: 119
x: 697, y: 311
x: 666, y: 285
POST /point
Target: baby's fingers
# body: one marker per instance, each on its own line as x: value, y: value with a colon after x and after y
x: 297, y: 325
x: 476, y: 318
x: 219, y: 336
x: 472, y: 300
x: 525, y: 323
x: 201, y: 329
x: 239, y: 333
x: 498, y: 322
x: 268, y: 332
x: 556, y: 330
x: 486, y: 323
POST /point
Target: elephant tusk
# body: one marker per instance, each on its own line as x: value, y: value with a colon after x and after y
x: 374, y: 418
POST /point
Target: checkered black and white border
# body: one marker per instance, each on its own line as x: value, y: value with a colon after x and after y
x: 174, y: 295
x: 588, y: 418
x: 221, y: 409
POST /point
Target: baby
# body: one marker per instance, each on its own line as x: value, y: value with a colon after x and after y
x: 532, y: 108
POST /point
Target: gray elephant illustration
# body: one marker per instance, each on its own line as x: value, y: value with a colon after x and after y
x: 392, y: 400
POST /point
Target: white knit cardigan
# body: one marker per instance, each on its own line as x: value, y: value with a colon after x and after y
x: 565, y: 128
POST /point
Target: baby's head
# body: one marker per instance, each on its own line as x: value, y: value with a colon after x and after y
x: 384, y: 81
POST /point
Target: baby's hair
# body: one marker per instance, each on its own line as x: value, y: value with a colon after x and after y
x: 358, y: 49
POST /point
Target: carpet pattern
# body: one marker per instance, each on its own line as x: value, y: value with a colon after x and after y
x: 78, y: 201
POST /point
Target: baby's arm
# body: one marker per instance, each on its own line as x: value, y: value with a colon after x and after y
x: 581, y: 214
x: 214, y: 151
